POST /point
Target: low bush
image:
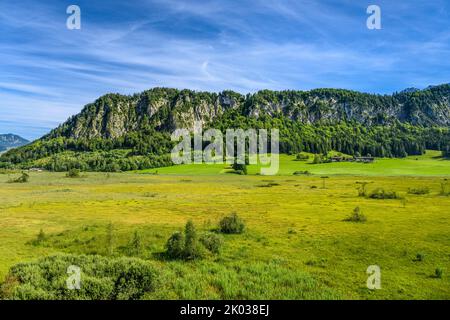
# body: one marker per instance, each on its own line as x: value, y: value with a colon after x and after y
x: 317, y: 159
x: 175, y: 246
x: 231, y: 224
x: 212, y: 242
x: 301, y: 157
x: 24, y: 178
x: 73, y: 173
x: 101, y: 279
x: 240, y: 168
x: 380, y: 193
x: 356, y: 216
x: 184, y: 246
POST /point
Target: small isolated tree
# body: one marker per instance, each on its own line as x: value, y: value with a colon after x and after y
x: 231, y: 224
x: 380, y: 193
x: 24, y: 177
x: 301, y: 157
x: 191, y: 245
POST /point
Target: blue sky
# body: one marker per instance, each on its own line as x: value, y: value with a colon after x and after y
x: 48, y: 72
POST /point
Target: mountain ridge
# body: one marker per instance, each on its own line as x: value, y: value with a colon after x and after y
x: 112, y: 115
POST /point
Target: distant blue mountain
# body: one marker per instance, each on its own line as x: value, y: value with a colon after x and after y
x: 8, y: 141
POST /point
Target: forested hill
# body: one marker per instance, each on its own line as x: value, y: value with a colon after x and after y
x: 119, y: 132
x: 114, y: 115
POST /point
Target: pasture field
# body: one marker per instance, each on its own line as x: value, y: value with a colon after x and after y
x: 296, y: 244
x: 429, y: 164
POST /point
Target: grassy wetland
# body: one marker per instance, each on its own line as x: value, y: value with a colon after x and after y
x: 297, y: 242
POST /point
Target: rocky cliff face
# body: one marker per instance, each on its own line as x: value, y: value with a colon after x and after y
x: 113, y: 115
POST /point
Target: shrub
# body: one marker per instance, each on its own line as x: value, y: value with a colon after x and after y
x: 356, y: 216
x: 419, y: 191
x: 380, y: 193
x: 24, y: 178
x: 301, y: 157
x: 317, y: 159
x: 185, y: 246
x: 175, y: 246
x: 102, y: 278
x: 73, y: 173
x: 212, y: 242
x: 231, y: 224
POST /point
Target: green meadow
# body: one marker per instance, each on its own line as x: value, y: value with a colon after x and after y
x: 429, y: 164
x: 296, y: 244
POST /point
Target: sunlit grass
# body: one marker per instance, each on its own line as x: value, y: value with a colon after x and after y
x: 296, y: 244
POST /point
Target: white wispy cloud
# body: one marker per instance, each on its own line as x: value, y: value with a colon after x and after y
x: 48, y: 72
